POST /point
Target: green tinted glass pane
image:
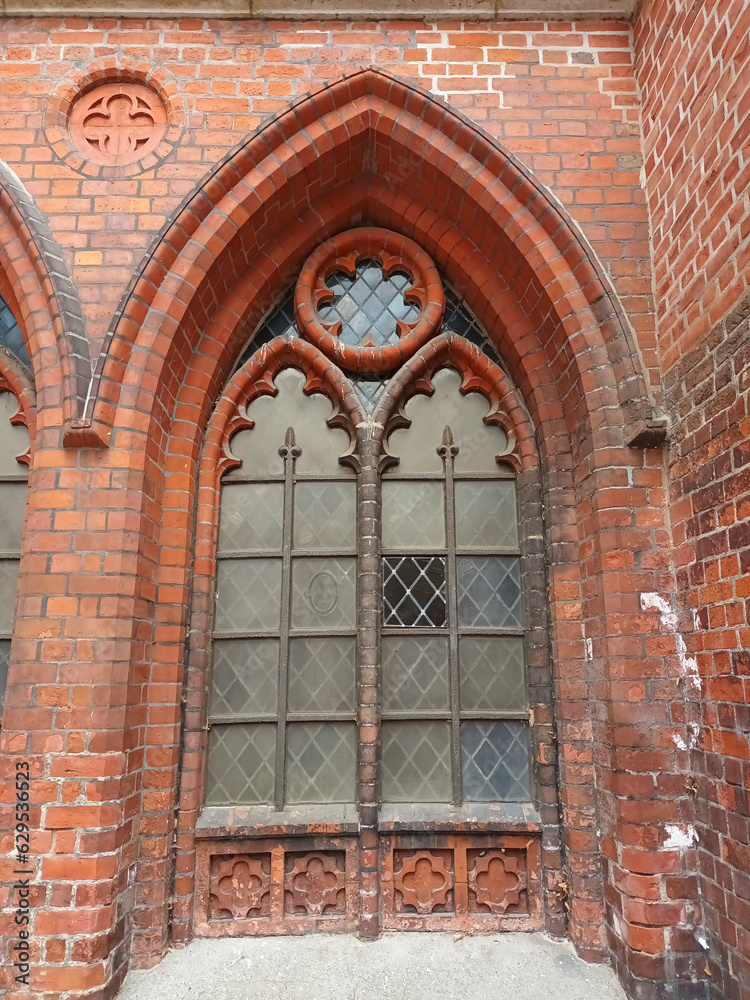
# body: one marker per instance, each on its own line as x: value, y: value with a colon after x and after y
x: 320, y: 765
x: 249, y: 593
x: 489, y: 591
x: 415, y: 674
x: 240, y: 764
x: 8, y: 589
x: 369, y: 305
x: 492, y: 674
x: 251, y: 516
x: 14, y: 439
x: 324, y: 593
x: 12, y: 511
x: 495, y: 761
x: 322, y: 675
x: 321, y: 446
x: 244, y: 676
x: 478, y: 444
x: 325, y: 515
x: 413, y: 515
x: 416, y: 762
x: 486, y: 513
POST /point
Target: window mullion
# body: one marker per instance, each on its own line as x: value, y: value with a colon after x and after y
x: 448, y: 451
x: 290, y: 453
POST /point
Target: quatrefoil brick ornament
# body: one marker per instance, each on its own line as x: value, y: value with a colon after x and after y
x: 118, y: 123
x: 369, y: 299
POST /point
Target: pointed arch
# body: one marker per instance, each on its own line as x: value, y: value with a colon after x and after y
x: 36, y: 285
x: 372, y: 148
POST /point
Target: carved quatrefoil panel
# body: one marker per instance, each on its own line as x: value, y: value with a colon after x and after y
x: 117, y: 123
x: 240, y: 886
x: 424, y: 880
x: 315, y: 883
x: 496, y: 881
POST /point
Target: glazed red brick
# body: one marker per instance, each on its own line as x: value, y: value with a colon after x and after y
x: 642, y: 779
x: 692, y: 63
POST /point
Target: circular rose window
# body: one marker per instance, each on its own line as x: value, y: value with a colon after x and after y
x: 117, y: 123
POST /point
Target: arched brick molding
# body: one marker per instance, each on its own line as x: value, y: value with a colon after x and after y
x: 36, y: 285
x: 372, y: 123
x: 370, y: 150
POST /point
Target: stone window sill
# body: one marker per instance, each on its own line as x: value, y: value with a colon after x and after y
x: 474, y: 817
x: 264, y: 821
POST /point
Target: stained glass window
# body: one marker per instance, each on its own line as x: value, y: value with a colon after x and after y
x: 283, y: 686
x: 454, y: 695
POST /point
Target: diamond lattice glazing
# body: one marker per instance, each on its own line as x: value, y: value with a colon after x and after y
x: 325, y: 515
x: 322, y: 675
x: 244, y: 676
x: 489, y: 591
x: 416, y: 762
x: 248, y: 594
x: 240, y: 764
x: 492, y: 674
x: 495, y: 761
x: 368, y: 306
x: 415, y: 674
x: 414, y: 590
x: 320, y: 762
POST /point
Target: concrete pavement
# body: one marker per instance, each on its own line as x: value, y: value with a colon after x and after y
x: 405, y: 966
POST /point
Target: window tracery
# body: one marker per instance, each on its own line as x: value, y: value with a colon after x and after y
x: 447, y: 590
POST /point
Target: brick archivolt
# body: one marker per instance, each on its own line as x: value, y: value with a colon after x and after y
x: 372, y: 148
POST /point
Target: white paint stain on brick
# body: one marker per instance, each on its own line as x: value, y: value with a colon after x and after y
x: 680, y: 836
x: 668, y: 621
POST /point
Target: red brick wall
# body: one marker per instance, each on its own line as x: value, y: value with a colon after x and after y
x: 693, y: 65
x: 562, y: 96
x: 693, y: 61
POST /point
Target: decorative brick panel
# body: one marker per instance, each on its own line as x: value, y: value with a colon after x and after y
x: 459, y: 882
x: 266, y: 887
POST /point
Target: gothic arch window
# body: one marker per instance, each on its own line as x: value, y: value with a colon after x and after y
x: 369, y: 622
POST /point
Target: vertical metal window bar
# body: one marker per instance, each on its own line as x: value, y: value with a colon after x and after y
x: 290, y: 453
x: 447, y: 452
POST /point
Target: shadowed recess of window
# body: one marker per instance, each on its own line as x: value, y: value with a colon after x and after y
x: 10, y: 334
x: 279, y: 322
x: 458, y: 319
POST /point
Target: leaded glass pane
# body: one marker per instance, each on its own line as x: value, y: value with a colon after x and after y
x: 324, y: 593
x: 458, y: 319
x: 413, y: 514
x: 322, y: 675
x: 240, y: 764
x: 368, y: 305
x: 478, y: 444
x: 369, y: 387
x: 320, y: 764
x: 489, y: 591
x: 414, y: 590
x: 12, y: 511
x: 325, y: 515
x: 258, y: 447
x: 492, y: 674
x: 244, y: 676
x: 251, y: 517
x: 495, y: 761
x: 14, y: 440
x: 4, y: 661
x: 415, y: 674
x: 248, y: 595
x: 486, y: 514
x: 8, y: 589
x: 416, y: 762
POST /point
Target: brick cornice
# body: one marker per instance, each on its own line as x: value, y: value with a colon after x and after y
x: 337, y: 9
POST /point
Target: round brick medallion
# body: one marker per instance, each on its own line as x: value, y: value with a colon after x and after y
x: 369, y: 299
x: 118, y: 123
